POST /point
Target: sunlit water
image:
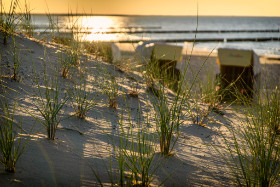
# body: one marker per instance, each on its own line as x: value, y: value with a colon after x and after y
x: 137, y: 28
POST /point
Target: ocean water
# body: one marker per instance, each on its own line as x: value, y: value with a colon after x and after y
x: 259, y: 33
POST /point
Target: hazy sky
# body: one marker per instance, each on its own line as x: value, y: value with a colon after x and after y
x: 159, y: 7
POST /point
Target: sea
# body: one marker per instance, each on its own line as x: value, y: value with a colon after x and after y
x: 205, y: 33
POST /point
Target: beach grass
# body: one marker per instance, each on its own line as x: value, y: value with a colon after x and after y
x: 252, y: 149
x: 17, y: 60
x: 83, y: 99
x: 136, y: 151
x: 109, y: 87
x: 26, y: 20
x: 206, y: 100
x: 8, y: 20
x: 68, y: 59
x: 49, y: 102
x: 169, y: 112
x: 11, y: 146
x: 102, y: 49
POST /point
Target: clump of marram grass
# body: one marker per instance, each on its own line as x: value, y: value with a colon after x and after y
x: 252, y: 152
x: 168, y: 119
x: 11, y: 146
x: 67, y: 60
x: 272, y: 104
x: 212, y: 94
x: 109, y: 87
x: 69, y: 56
x: 82, y: 97
x: 136, y: 152
x: 26, y: 21
x: 102, y: 49
x: 200, y: 114
x: 49, y: 103
x: 206, y: 101
x: 17, y: 60
x: 169, y: 108
x: 53, y: 24
x: 8, y: 20
x: 111, y: 90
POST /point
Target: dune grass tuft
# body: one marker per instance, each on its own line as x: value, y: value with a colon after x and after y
x: 252, y: 151
x: 8, y: 20
x: 109, y: 87
x: 49, y: 102
x: 137, y: 151
x: 68, y: 60
x: 82, y: 97
x: 170, y: 109
x: 17, y: 60
x: 26, y: 21
x: 11, y: 146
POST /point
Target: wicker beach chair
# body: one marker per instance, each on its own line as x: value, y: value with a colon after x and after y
x: 165, y: 57
x: 239, y: 72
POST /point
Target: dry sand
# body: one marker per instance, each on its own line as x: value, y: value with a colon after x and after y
x: 82, y: 145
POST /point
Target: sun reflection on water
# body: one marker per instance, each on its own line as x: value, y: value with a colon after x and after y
x: 96, y: 26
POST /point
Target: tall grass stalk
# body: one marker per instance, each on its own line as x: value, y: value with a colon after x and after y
x: 17, y: 60
x: 49, y: 102
x: 71, y: 56
x: 53, y: 25
x: 253, y: 153
x: 26, y: 20
x: 11, y: 146
x: 73, y: 25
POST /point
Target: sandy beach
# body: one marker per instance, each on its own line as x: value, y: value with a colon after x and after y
x: 85, y: 149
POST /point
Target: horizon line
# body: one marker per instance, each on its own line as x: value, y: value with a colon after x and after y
x: 147, y: 15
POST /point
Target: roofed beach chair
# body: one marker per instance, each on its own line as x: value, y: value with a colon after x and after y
x: 239, y: 71
x: 165, y: 58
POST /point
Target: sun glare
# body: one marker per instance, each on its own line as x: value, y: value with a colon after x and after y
x: 95, y: 28
x: 98, y: 23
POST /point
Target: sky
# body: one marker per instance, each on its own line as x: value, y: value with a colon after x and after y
x: 157, y: 7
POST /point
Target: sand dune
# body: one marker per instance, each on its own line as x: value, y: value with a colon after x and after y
x: 82, y: 147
